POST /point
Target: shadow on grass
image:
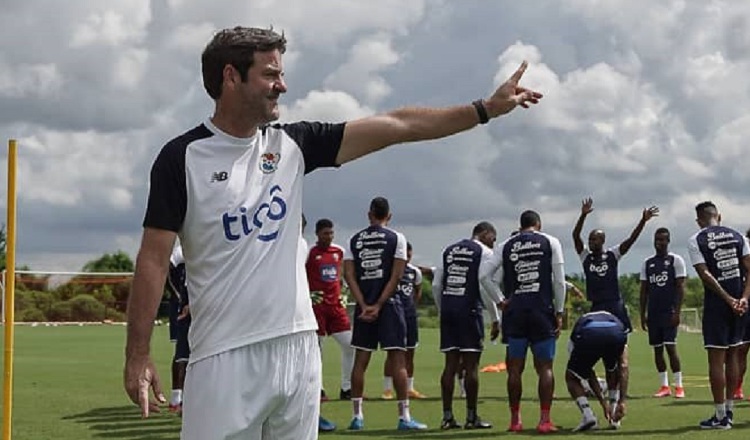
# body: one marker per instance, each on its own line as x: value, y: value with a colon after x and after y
x: 125, y: 422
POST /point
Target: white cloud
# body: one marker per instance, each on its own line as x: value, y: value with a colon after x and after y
x: 29, y: 81
x: 359, y: 74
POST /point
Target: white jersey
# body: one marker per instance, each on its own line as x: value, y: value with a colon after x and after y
x: 236, y: 204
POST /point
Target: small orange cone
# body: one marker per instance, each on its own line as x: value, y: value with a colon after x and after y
x: 494, y: 368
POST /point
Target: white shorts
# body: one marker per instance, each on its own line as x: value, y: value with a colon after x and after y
x: 266, y: 390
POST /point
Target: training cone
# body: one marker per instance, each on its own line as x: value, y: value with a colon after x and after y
x: 494, y: 368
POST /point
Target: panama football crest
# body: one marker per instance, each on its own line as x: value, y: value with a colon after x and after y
x: 269, y: 162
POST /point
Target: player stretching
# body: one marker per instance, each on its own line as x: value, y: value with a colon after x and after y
x: 374, y: 263
x: 410, y: 292
x: 600, y: 268
x: 531, y: 271
x: 662, y: 290
x: 324, y: 277
x: 595, y: 336
x: 721, y: 257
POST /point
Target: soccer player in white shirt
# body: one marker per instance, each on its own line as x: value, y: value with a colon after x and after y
x: 231, y: 188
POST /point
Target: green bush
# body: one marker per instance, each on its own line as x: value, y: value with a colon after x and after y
x: 86, y: 308
x: 60, y: 312
x: 31, y: 314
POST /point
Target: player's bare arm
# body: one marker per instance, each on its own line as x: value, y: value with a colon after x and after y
x: 643, y: 303
x: 411, y: 124
x: 587, y: 206
x: 648, y: 214
x: 151, y: 268
x: 743, y: 305
x: 680, y: 286
x: 389, y: 290
x: 713, y: 285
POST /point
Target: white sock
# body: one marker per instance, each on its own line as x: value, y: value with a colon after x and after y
x: 583, y: 405
x: 176, y: 397
x: 729, y: 404
x: 678, y: 379
x: 410, y: 383
x: 387, y: 383
x: 357, y: 407
x: 721, y: 411
x: 403, y: 410
x: 347, y: 358
x: 664, y: 378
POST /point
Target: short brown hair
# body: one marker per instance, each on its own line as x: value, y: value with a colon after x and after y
x: 235, y: 46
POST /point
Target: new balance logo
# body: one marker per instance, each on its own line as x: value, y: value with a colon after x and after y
x: 219, y: 176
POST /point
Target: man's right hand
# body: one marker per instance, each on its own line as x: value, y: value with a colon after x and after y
x: 587, y: 205
x: 141, y: 378
x: 644, y: 326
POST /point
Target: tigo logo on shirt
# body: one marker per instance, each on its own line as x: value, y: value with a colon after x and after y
x: 267, y: 213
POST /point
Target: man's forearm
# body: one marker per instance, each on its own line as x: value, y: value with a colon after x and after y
x: 143, y: 303
x: 388, y: 291
x: 577, y: 232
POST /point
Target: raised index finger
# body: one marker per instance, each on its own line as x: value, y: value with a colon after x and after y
x: 516, y: 77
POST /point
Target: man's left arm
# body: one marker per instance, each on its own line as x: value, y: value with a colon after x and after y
x: 647, y: 215
x: 411, y: 124
x: 680, y: 273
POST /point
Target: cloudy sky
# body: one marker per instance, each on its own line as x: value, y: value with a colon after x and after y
x: 645, y: 103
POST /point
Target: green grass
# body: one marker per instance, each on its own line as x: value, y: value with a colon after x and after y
x: 68, y: 386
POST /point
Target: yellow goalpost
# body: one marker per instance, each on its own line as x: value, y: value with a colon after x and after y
x: 8, y: 310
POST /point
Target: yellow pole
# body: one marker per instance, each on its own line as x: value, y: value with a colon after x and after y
x: 10, y: 284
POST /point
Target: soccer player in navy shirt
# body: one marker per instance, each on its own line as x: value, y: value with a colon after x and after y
x: 530, y: 268
x: 231, y: 188
x: 597, y: 336
x: 721, y: 257
x: 458, y: 296
x: 374, y: 262
x: 662, y: 291
x: 600, y: 268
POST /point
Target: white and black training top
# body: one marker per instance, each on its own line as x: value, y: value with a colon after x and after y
x: 236, y: 204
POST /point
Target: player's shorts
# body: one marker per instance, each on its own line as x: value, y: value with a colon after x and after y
x: 605, y: 343
x: 412, y: 330
x: 722, y: 328
x: 461, y: 329
x: 182, y: 347
x: 331, y: 319
x: 388, y: 331
x: 532, y: 324
x: 543, y: 350
x: 266, y: 390
x: 616, y: 308
x: 661, y: 332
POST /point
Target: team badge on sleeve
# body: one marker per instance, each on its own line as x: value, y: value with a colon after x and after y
x: 269, y: 162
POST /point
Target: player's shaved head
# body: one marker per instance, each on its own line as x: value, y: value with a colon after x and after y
x: 530, y: 219
x: 481, y: 228
x: 596, y: 241
x: 485, y: 233
x: 706, y: 214
x: 380, y: 209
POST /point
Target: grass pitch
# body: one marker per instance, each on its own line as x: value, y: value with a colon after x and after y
x: 68, y: 385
